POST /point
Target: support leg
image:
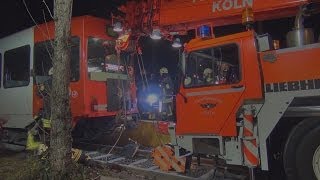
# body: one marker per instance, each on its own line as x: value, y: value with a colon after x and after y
x: 188, y: 163
x: 252, y: 173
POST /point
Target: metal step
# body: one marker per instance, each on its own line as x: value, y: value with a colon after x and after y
x: 116, y: 159
x: 138, y: 162
x: 101, y: 157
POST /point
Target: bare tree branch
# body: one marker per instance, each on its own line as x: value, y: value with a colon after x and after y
x: 34, y: 21
x: 44, y: 2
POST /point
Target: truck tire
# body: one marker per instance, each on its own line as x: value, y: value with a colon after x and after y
x: 308, y: 156
x: 300, y: 148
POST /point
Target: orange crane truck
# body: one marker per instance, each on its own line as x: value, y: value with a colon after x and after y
x: 241, y: 98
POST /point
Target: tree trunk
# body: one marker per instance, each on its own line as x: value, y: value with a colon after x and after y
x: 61, y: 142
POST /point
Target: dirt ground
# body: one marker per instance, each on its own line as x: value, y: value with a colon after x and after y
x: 145, y: 133
x: 26, y: 166
x: 10, y: 163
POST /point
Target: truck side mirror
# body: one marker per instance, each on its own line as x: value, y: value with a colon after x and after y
x: 264, y: 42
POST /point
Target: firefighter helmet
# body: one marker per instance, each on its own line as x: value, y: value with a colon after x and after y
x: 50, y: 73
x: 163, y: 70
x: 224, y: 66
x: 207, y: 72
x: 187, y: 81
x: 207, y: 75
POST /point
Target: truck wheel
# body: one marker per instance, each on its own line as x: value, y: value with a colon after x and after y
x: 302, y: 146
x: 316, y: 162
x: 308, y: 156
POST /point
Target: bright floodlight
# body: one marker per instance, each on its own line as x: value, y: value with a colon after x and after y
x: 117, y: 27
x: 176, y: 43
x: 156, y: 34
x: 152, y: 98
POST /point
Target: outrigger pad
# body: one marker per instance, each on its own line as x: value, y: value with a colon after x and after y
x: 163, y: 156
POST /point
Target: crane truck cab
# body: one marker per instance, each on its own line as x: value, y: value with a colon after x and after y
x: 235, y: 118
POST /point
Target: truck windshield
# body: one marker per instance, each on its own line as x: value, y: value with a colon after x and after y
x: 212, y: 66
x: 102, y: 56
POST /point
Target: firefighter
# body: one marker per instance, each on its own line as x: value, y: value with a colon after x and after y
x: 110, y: 57
x: 166, y: 86
x: 208, y: 76
x: 223, y: 73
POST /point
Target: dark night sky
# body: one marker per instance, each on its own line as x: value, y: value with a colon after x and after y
x: 14, y: 17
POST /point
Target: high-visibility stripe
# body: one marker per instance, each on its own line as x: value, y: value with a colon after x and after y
x: 250, y: 149
x: 248, y: 125
x: 247, y: 132
x: 163, y: 165
x: 165, y: 159
x: 249, y: 163
x: 173, y: 163
x: 251, y: 146
x: 248, y: 117
x: 250, y: 158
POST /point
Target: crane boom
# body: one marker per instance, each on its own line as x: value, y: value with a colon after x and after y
x: 184, y: 11
x: 182, y: 15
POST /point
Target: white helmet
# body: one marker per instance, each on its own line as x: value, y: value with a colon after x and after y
x: 187, y: 81
x: 50, y: 73
x: 163, y: 70
x: 207, y: 71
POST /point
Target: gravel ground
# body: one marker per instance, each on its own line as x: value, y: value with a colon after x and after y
x: 20, y: 165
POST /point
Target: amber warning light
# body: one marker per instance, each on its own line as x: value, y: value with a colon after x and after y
x: 247, y: 16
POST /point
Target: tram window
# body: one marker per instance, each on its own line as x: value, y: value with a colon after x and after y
x: 102, y: 56
x: 17, y: 67
x: 43, y: 53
